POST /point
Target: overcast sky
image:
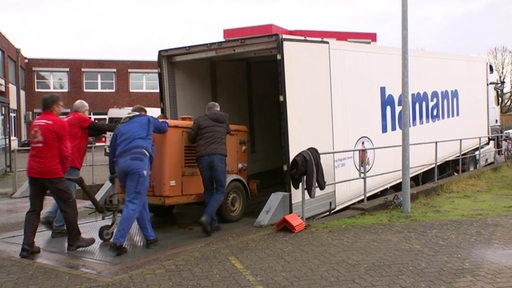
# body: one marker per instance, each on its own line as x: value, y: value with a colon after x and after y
x: 138, y: 29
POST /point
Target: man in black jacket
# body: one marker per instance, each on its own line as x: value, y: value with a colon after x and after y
x: 209, y: 133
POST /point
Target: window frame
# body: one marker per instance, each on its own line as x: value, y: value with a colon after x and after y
x: 144, y: 73
x: 99, y: 80
x: 51, y: 80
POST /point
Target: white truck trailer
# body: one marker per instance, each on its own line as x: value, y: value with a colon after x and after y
x: 297, y: 92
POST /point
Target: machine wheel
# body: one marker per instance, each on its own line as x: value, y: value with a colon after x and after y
x: 161, y: 211
x: 105, y: 234
x: 235, y: 201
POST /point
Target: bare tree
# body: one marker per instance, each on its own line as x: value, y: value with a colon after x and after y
x: 499, y: 58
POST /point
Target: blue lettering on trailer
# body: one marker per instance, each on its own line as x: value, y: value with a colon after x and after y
x: 425, y: 108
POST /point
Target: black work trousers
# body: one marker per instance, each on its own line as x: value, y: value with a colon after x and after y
x: 59, y: 188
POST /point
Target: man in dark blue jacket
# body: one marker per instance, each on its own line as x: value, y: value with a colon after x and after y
x: 130, y: 158
x: 209, y: 133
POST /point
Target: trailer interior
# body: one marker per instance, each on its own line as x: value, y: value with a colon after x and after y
x: 243, y: 76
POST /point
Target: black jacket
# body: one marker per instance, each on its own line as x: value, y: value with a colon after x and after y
x: 96, y: 129
x: 307, y: 163
x: 209, y: 133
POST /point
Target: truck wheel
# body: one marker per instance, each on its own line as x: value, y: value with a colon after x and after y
x: 233, y: 207
x: 161, y: 211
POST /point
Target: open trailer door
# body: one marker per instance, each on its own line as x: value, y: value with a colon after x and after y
x: 309, y: 114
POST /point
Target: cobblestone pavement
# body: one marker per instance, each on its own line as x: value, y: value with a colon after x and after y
x: 462, y: 253
x: 459, y: 253
x: 431, y: 254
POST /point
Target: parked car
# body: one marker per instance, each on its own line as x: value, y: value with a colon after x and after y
x: 24, y: 144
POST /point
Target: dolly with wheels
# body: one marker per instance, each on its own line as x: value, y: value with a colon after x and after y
x: 106, y: 203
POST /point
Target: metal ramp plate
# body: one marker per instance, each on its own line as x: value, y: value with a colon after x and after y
x: 176, y: 232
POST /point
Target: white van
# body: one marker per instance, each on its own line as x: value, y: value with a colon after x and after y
x: 507, y: 134
x: 115, y: 115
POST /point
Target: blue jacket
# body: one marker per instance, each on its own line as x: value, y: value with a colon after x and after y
x: 135, y: 132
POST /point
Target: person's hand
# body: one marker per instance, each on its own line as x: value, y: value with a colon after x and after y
x: 112, y: 178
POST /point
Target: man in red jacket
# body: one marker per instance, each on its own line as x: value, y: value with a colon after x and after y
x: 48, y: 161
x: 80, y: 128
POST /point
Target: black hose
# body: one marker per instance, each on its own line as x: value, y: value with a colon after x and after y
x: 80, y: 182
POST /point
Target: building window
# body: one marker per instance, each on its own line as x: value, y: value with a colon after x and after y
x: 12, y: 71
x: 22, y: 79
x: 2, y: 72
x: 52, y: 80
x: 99, y: 80
x: 14, y: 131
x: 143, y: 80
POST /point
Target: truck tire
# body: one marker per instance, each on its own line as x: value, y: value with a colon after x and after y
x: 233, y: 207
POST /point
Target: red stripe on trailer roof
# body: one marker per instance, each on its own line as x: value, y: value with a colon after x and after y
x: 266, y: 29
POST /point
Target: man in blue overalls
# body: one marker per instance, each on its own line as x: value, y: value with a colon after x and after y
x: 130, y: 158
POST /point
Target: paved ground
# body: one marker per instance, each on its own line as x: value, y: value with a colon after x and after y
x: 462, y: 253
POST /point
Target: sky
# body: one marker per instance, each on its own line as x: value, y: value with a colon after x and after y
x: 138, y: 29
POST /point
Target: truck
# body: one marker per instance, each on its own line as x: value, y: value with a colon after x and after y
x: 300, y: 89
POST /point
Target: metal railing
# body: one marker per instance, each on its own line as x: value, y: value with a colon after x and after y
x: 462, y: 154
x: 94, y: 169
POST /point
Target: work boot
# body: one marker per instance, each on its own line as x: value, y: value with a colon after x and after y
x: 118, y: 249
x: 151, y: 243
x: 26, y: 252
x: 215, y: 228
x: 205, y: 224
x: 81, y: 243
x: 59, y: 233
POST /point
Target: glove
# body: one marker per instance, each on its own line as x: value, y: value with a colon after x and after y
x: 112, y: 178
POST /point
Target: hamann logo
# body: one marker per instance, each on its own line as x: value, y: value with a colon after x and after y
x: 425, y: 106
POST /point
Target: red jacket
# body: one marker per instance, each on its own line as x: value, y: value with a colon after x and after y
x: 78, y: 135
x: 49, y: 147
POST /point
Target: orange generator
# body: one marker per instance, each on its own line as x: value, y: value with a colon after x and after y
x: 175, y: 177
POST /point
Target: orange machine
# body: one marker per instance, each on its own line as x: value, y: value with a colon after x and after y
x: 175, y: 177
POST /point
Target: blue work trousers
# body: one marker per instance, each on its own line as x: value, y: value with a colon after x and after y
x: 54, y: 212
x: 213, y: 174
x: 133, y: 172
